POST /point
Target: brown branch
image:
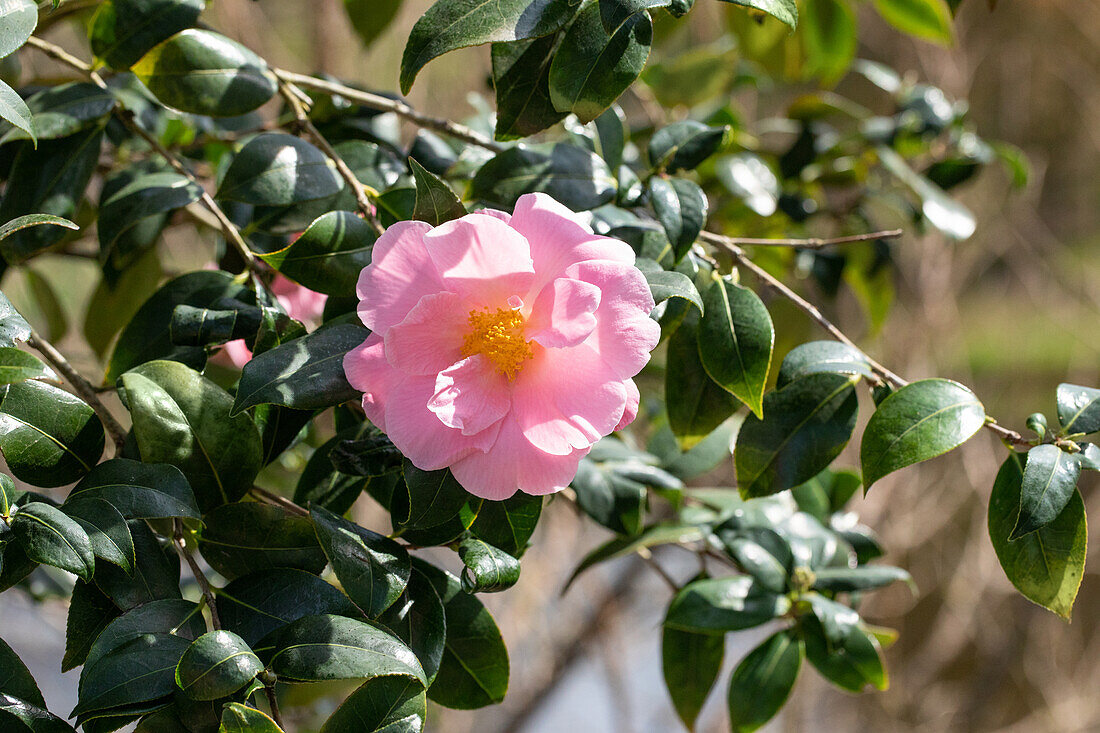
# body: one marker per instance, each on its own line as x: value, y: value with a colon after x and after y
x: 816, y: 242
x: 269, y: 497
x: 273, y: 702
x: 200, y: 578
x: 81, y: 386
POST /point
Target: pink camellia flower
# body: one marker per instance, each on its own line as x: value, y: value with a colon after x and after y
x: 300, y: 303
x: 502, y: 346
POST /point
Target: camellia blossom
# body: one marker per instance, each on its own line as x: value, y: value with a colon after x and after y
x: 502, y: 346
x: 299, y: 302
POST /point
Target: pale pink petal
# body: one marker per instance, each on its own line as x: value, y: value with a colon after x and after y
x: 633, y: 402
x: 471, y: 395
x: 418, y: 433
x: 430, y: 338
x: 400, y: 274
x: 368, y: 371
x: 565, y: 399
x: 504, y: 216
x: 563, y: 313
x: 237, y: 353
x: 514, y: 463
x: 482, y: 257
x: 625, y: 334
x: 300, y: 303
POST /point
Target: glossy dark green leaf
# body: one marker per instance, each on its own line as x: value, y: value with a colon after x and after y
x: 928, y: 19
x: 768, y: 569
x: 1050, y: 480
x: 574, y: 176
x: 453, y: 24
x: 106, y: 529
x: 193, y: 326
x: 763, y: 680
x: 328, y: 647
x: 614, y: 501
x: 329, y: 255
x: 247, y: 537
x: 217, y: 664
x: 14, y: 110
x: 15, y: 679
x: 1078, y: 408
x: 419, y: 620
x: 138, y: 490
x: 613, y: 13
x: 256, y: 605
x: 718, y: 605
x: 521, y: 78
x: 508, y: 524
x: 306, y: 373
x: 322, y: 485
x: 183, y: 419
x: 865, y: 577
x: 830, y: 37
x: 238, y: 718
x: 381, y: 705
x: 50, y: 537
x: 1048, y: 564
x: 684, y: 145
x: 736, y: 337
x: 822, y: 356
x: 920, y: 421
x: 90, y: 611
x: 30, y: 717
x: 436, y: 203
x: 806, y: 425
x: 64, y: 110
x: 851, y: 663
x: 681, y: 207
x: 206, y: 73
x: 139, y: 670
x: 122, y: 31
x: 1090, y: 457
x: 474, y: 670
x: 433, y: 498
x: 14, y: 565
x: 139, y: 197
x: 665, y: 284
x: 156, y: 571
x: 168, y: 616
x: 696, y: 404
x: 17, y: 366
x: 275, y: 169
x: 52, y: 180
x: 18, y: 19
x: 371, y: 17
x: 690, y: 663
x: 488, y: 569
x: 592, y: 67
x: 784, y: 10
x: 370, y: 453
x: 372, y: 569
x: 14, y: 328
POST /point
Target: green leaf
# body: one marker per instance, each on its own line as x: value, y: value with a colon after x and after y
x: 106, y: 529
x: 328, y: 647
x: 139, y: 670
x: 322, y: 485
x: 488, y: 569
x: 1090, y: 457
x: 372, y: 569
x: 136, y: 200
x: 17, y: 366
x: 822, y: 356
x: 90, y: 612
x: 329, y: 255
x: 613, y: 13
x: 928, y: 19
x: 247, y: 537
x: 1078, y: 409
x: 433, y: 498
x: 806, y: 425
x: 1046, y: 566
x: 122, y: 31
x: 614, y: 501
x: 274, y: 169
x: 718, y: 605
x: 13, y: 327
x: 690, y: 663
x: 763, y: 680
x: 64, y: 110
x: 138, y: 490
x: 453, y: 24
x: 18, y: 19
x: 696, y: 404
x: 14, y: 110
x: 508, y: 524
x: 32, y: 718
x: 681, y: 207
x: 238, y: 718
x: 767, y: 565
x: 206, y: 73
x: 217, y: 664
x: 371, y: 17
x: 381, y: 705
x: 306, y: 373
x: 156, y: 572
x: 256, y: 605
x: 419, y: 619
x: 15, y: 679
x: 684, y: 145
x: 576, y: 177
x: 851, y: 663
x: 183, y: 419
x: 830, y: 37
x: 591, y: 67
x: 474, y: 670
x: 865, y: 577
x: 1050, y: 480
x: 665, y: 284
x: 436, y: 203
x: 749, y: 178
x: 736, y: 337
x: 920, y: 421
x: 168, y: 616
x: 611, y: 136
x: 521, y: 78
x: 941, y: 211
x: 48, y: 437
x: 784, y: 10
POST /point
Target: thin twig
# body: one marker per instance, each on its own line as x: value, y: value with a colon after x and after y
x: 647, y: 556
x: 269, y: 497
x: 377, y: 101
x: 273, y: 701
x: 200, y: 578
x: 293, y: 95
x: 81, y: 386
x: 816, y: 242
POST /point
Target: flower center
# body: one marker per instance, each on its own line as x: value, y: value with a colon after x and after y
x: 498, y: 336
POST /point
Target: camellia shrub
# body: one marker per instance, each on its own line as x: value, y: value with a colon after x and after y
x: 567, y: 297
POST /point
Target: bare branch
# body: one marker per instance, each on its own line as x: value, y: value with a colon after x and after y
x: 200, y: 578
x: 816, y: 242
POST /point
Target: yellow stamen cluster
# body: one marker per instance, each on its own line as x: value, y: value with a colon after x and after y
x: 498, y: 336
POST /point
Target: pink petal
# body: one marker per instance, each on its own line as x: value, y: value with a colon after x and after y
x: 300, y: 303
x: 633, y: 401
x: 418, y: 433
x: 514, y: 463
x: 504, y: 216
x: 482, y: 257
x: 563, y: 313
x: 625, y: 334
x: 237, y: 353
x: 566, y: 399
x: 471, y: 395
x: 430, y: 338
x: 400, y: 274
x: 368, y: 371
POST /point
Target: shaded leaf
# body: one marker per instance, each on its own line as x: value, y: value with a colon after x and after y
x: 138, y: 490
x: 763, y: 680
x: 216, y: 665
x: 248, y: 537
x: 718, y: 605
x: 690, y: 663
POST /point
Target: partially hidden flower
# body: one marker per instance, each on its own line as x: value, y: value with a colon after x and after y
x: 502, y: 346
x: 299, y: 302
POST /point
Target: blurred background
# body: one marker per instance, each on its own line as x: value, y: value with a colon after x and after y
x: 1012, y: 312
